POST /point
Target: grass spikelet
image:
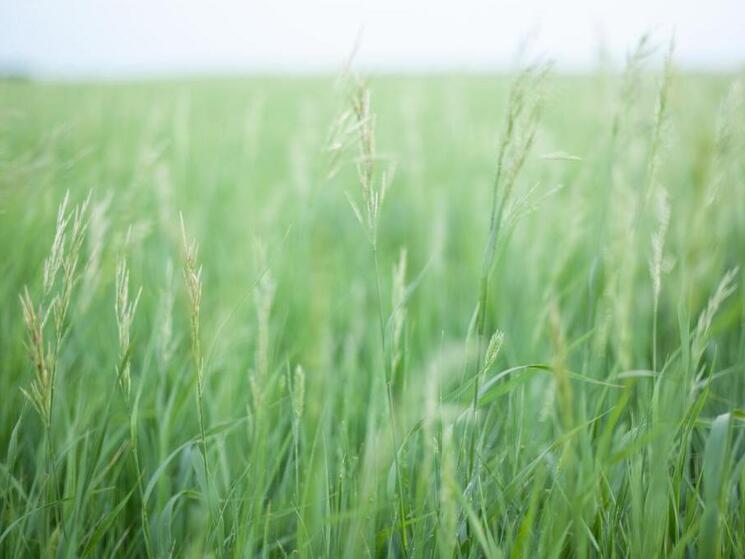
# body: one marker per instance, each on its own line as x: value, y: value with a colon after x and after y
x: 656, y: 264
x: 40, y: 392
x: 96, y: 240
x: 658, y: 242
x: 660, y: 119
x: 124, y: 309
x: 524, y: 107
x: 493, y: 349
x: 727, y: 142
x: 78, y: 224
x: 523, y: 110
x: 629, y: 91
x: 193, y: 281
x: 53, y: 263
x: 373, y: 182
x: 726, y: 287
x: 56, y: 298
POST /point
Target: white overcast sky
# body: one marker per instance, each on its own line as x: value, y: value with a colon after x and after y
x: 141, y: 37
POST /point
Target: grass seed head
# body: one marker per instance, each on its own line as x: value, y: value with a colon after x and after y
x: 125, y: 311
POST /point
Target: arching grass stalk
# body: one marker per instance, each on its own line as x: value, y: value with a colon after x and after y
x: 663, y: 209
x: 125, y: 309
x: 523, y: 111
x: 50, y: 316
x: 360, y: 123
x: 193, y: 281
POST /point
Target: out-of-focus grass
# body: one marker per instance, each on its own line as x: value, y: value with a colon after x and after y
x: 269, y: 429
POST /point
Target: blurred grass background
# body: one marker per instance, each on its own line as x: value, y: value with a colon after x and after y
x: 244, y: 161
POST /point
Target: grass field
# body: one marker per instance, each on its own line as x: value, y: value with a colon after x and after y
x: 466, y: 316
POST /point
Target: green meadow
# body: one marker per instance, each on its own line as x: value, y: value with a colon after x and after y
x: 434, y: 316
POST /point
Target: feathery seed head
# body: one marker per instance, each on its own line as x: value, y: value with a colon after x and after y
x: 658, y: 241
x: 125, y: 311
x: 193, y: 280
x: 725, y: 288
x: 492, y: 350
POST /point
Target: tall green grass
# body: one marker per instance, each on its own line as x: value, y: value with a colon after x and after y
x: 461, y: 316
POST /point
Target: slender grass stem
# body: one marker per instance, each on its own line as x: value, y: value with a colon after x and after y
x: 145, y: 516
x: 391, y: 408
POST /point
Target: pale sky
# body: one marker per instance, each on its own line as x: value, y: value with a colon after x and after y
x: 111, y: 38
